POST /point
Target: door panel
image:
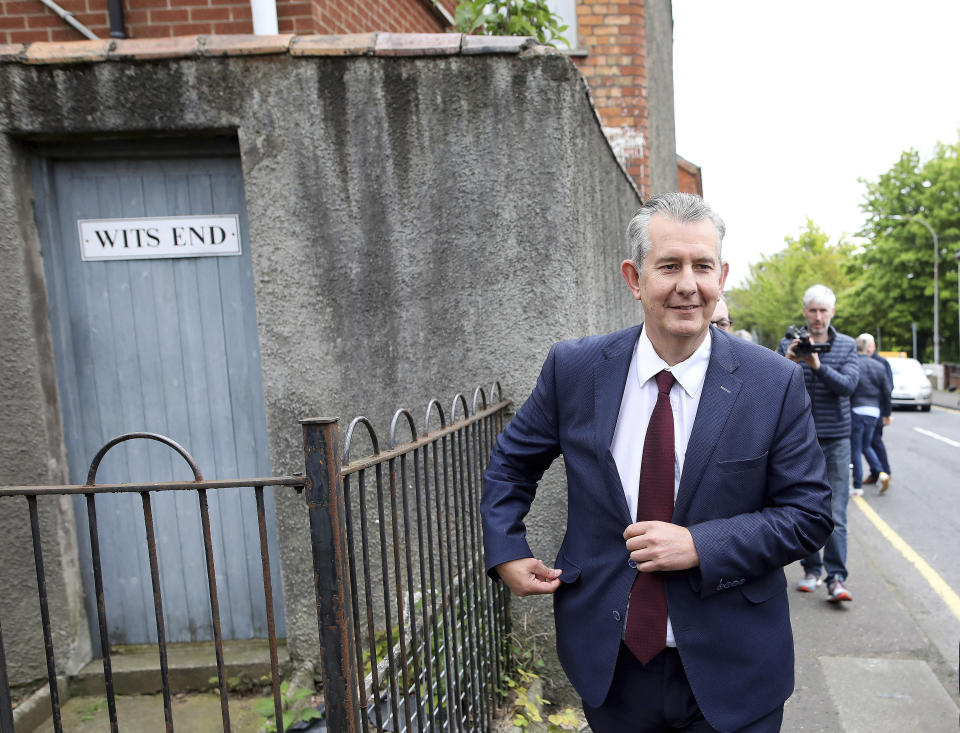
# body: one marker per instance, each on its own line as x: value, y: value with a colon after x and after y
x: 167, y: 346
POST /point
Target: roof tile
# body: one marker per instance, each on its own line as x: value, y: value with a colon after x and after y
x: 418, y: 44
x: 495, y: 44
x: 245, y: 44
x: 156, y: 48
x: 353, y: 44
x: 12, y: 51
x: 68, y: 52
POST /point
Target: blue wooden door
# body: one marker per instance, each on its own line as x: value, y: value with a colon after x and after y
x: 167, y: 346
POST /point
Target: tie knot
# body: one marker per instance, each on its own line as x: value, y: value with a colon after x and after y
x: 665, y: 381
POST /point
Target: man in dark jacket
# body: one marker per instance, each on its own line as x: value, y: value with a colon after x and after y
x: 868, y: 401
x: 830, y: 377
x: 886, y: 417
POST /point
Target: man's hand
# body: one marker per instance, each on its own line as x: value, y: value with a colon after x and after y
x: 813, y: 360
x: 886, y: 420
x: 529, y: 577
x: 656, y: 546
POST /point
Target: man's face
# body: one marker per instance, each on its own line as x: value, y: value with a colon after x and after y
x: 680, y: 283
x: 818, y: 318
x: 721, y: 317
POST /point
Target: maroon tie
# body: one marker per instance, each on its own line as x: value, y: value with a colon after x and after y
x: 647, y: 616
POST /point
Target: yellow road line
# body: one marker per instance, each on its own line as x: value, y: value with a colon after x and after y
x: 930, y: 575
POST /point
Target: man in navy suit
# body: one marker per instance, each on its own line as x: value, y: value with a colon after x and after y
x: 749, y: 497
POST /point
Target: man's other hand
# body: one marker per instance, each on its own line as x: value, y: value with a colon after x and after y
x: 529, y: 577
x: 657, y: 546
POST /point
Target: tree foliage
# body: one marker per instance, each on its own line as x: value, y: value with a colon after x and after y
x: 895, y: 268
x: 884, y: 285
x: 772, y: 297
x: 511, y: 18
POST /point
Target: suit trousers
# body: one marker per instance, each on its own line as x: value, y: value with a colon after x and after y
x: 656, y: 698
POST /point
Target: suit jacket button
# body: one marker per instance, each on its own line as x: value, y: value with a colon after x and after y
x: 632, y: 563
x: 616, y: 615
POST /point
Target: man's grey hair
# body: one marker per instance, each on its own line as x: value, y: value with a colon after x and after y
x: 864, y: 342
x: 819, y: 294
x: 682, y: 208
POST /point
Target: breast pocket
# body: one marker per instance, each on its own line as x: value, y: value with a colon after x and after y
x: 743, y: 465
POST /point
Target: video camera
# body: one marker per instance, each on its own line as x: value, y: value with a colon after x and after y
x: 805, y: 346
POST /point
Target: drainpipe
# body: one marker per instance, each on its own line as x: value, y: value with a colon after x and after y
x: 264, y: 17
x: 115, y: 10
x: 70, y: 20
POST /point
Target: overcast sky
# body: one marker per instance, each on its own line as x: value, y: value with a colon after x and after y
x: 785, y: 105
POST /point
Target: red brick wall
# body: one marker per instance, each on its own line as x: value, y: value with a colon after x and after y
x: 29, y: 20
x: 357, y: 16
x: 689, y: 177
x: 613, y: 31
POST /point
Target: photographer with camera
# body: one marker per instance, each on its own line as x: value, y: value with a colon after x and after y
x: 831, y: 372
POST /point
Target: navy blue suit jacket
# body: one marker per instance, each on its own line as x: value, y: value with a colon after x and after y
x: 753, y: 495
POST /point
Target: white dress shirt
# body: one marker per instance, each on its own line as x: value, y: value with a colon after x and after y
x: 639, y: 399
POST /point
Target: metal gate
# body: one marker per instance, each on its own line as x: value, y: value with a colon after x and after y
x: 413, y: 631
x: 165, y: 343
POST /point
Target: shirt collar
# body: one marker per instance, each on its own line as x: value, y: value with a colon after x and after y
x: 688, y: 373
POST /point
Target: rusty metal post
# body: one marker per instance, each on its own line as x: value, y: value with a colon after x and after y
x: 325, y: 502
x: 6, y: 703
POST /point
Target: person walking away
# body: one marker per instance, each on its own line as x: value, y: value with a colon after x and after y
x: 886, y: 417
x: 865, y: 402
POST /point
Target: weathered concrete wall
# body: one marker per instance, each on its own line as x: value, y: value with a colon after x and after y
x: 417, y: 226
x: 658, y: 16
x: 31, y: 450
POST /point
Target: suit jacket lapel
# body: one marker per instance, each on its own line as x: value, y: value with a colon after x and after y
x: 610, y: 376
x: 720, y: 389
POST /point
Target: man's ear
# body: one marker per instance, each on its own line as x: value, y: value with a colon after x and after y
x: 630, y: 274
x: 724, y: 271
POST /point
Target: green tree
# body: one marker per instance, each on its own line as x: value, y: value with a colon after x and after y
x: 772, y: 296
x: 895, y: 267
x: 511, y: 18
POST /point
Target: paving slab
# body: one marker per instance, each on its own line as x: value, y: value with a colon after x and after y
x: 144, y: 713
x: 888, y: 696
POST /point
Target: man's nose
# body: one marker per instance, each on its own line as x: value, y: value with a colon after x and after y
x: 687, y: 282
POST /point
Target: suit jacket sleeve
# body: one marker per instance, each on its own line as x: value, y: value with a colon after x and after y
x: 796, y: 518
x: 523, y: 451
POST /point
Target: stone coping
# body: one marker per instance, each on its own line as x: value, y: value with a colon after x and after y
x: 357, y: 44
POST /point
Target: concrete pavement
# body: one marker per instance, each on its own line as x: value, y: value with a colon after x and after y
x: 887, y: 661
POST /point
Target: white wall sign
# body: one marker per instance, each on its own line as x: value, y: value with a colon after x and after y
x: 161, y: 236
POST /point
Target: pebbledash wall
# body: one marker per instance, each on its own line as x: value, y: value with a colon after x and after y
x: 426, y: 214
x: 623, y: 47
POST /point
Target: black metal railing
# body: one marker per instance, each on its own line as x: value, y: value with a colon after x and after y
x: 413, y: 630
x: 90, y: 490
x: 426, y: 650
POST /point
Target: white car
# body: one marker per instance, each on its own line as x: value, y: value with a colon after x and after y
x: 911, y: 388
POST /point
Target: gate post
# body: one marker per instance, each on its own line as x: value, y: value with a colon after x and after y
x: 325, y: 502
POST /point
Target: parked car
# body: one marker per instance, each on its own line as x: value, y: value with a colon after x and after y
x: 911, y: 387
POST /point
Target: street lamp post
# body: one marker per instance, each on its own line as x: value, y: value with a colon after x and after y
x: 956, y: 256
x: 936, y: 284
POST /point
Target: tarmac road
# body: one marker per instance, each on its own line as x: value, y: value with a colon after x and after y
x: 888, y: 661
